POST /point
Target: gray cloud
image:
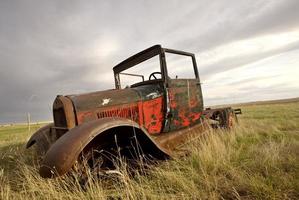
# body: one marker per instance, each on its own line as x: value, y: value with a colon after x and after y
x: 239, y: 61
x: 260, y: 93
x: 47, y: 47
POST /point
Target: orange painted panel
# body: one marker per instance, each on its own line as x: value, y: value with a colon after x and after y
x: 153, y: 115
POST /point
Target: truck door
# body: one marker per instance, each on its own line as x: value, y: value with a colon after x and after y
x: 185, y: 103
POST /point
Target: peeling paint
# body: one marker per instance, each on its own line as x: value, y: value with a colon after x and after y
x: 186, y: 104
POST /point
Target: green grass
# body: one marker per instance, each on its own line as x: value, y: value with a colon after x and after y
x: 259, y: 159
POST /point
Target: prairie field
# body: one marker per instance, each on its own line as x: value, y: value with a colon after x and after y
x: 258, y: 159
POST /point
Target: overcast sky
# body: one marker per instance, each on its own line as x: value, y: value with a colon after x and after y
x: 246, y: 50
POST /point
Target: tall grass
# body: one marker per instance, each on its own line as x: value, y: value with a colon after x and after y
x: 259, y: 159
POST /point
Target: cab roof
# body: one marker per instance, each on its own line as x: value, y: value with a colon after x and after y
x: 145, y: 55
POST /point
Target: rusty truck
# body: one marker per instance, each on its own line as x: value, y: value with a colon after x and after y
x: 156, y: 107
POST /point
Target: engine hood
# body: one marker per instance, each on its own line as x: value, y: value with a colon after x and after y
x: 101, y: 99
x: 110, y: 103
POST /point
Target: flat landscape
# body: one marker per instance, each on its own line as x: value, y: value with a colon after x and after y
x: 258, y: 159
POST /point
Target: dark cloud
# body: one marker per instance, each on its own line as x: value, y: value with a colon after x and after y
x: 61, y: 47
x: 240, y: 20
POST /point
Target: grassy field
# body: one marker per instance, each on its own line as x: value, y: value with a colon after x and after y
x: 259, y: 159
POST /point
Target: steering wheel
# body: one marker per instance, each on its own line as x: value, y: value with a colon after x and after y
x: 153, y: 75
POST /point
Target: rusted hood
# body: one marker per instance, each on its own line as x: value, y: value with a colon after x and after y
x: 88, y: 106
x: 112, y: 103
x: 101, y: 99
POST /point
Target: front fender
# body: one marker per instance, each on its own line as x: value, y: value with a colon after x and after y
x: 42, y: 138
x: 63, y: 154
x: 38, y: 135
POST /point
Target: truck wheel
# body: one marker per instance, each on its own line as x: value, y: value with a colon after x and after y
x: 232, y: 120
x: 225, y: 118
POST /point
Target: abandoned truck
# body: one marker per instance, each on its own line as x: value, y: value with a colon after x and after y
x: 156, y: 106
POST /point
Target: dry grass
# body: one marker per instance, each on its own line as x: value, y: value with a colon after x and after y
x: 259, y: 159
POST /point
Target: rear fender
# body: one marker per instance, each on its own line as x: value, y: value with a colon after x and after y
x: 63, y: 154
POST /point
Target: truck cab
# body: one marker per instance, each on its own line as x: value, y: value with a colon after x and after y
x: 169, y: 85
